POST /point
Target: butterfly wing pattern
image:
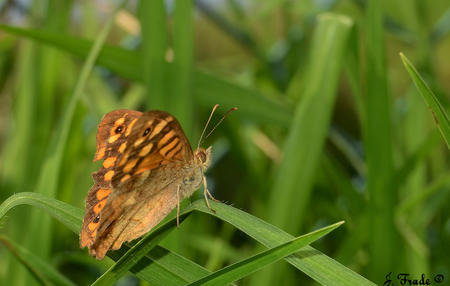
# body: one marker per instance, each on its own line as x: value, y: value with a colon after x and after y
x: 148, y: 167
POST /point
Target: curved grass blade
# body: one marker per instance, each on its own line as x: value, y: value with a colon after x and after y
x: 159, y: 267
x: 250, y: 265
x: 440, y: 116
x: 136, y: 253
x: 43, y: 272
x: 309, y: 260
x: 312, y: 262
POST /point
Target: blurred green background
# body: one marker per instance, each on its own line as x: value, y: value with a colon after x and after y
x: 330, y: 126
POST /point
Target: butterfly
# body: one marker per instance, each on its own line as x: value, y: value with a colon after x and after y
x: 148, y: 168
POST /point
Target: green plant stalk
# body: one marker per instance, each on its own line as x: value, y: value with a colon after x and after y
x: 181, y: 70
x: 152, y: 16
x: 416, y: 133
x: 41, y: 225
x: 378, y: 147
x: 16, y: 170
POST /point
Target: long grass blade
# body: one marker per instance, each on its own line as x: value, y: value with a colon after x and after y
x: 152, y: 16
x: 378, y: 147
x: 207, y: 89
x: 309, y: 260
x: 304, y: 143
x: 250, y: 265
x: 48, y: 180
x: 159, y: 267
x: 181, y: 70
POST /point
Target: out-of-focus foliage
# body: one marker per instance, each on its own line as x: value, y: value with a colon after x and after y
x: 330, y: 127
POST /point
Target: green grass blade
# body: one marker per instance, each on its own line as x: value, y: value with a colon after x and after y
x: 250, y: 265
x: 312, y: 262
x: 162, y: 267
x: 182, y: 67
x: 303, y: 146
x: 152, y: 16
x: 119, y: 60
x: 252, y: 104
x: 69, y: 215
x: 207, y: 89
x: 43, y: 272
x: 378, y: 148
x: 134, y: 254
x: 159, y: 267
x: 315, y: 264
x: 440, y: 116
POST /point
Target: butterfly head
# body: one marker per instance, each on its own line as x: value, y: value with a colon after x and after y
x: 203, y: 157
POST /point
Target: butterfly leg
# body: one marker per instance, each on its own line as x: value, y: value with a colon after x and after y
x: 178, y: 206
x: 206, y: 193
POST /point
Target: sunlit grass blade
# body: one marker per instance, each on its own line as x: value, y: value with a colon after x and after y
x: 250, y: 265
x: 304, y: 143
x: 207, y: 89
x: 159, y: 267
x: 317, y: 265
x: 312, y: 262
x: 440, y: 116
x: 43, y: 272
x: 48, y: 180
x: 119, y: 60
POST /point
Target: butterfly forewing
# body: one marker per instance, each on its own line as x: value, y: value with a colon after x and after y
x: 145, y: 158
x: 155, y: 140
x: 111, y: 134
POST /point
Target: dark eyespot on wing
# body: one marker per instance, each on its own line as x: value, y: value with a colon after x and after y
x: 119, y: 129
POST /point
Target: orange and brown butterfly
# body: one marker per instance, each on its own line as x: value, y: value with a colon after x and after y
x: 148, y: 168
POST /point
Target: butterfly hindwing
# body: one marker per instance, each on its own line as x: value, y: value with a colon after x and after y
x: 133, y: 213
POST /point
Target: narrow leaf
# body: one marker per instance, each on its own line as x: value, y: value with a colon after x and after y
x: 207, y: 89
x: 250, y: 265
x: 440, y: 116
x: 378, y: 147
x: 312, y: 262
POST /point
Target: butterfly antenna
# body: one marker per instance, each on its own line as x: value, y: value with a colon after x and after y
x: 220, y: 121
x: 204, y: 129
